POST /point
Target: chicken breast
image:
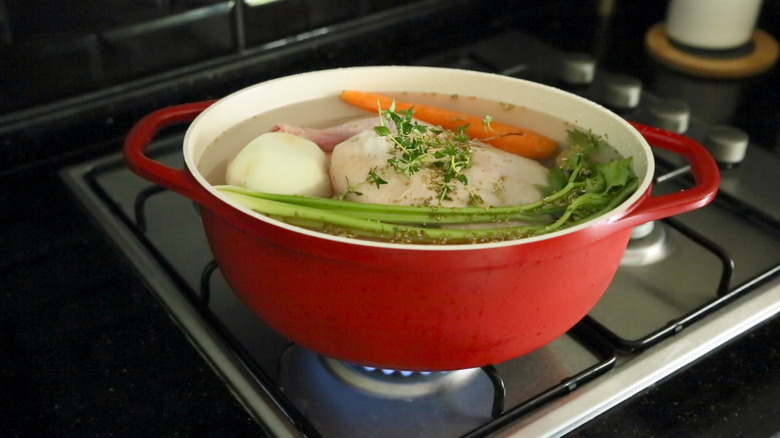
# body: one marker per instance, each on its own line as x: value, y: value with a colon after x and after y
x: 497, y: 177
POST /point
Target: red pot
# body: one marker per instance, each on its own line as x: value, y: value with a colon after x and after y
x: 414, y: 307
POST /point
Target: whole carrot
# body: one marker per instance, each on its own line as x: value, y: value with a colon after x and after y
x: 509, y: 138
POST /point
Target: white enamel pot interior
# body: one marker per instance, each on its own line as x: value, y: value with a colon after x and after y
x: 251, y: 107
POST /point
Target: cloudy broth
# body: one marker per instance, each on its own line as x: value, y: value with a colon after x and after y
x: 331, y: 111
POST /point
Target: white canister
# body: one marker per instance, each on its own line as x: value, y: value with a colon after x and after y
x: 712, y: 24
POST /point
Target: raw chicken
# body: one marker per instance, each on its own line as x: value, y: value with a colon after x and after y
x: 328, y: 138
x: 497, y: 177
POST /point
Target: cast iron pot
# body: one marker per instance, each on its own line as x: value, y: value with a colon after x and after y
x: 401, y: 306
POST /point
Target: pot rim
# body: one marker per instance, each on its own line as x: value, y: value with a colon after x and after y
x: 610, y: 218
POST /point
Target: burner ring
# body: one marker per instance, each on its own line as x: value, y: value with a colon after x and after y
x: 396, y: 383
x: 649, y: 244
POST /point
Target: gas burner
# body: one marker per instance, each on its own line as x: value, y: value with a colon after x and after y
x: 648, y: 244
x: 398, y: 383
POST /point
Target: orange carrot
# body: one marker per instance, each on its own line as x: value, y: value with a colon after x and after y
x: 510, y: 138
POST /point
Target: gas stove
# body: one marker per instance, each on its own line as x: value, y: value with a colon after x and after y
x: 686, y: 285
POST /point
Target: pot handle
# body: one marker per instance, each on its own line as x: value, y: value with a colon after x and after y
x: 703, y: 168
x: 142, y: 134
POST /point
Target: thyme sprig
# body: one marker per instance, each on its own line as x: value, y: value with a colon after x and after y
x: 419, y: 146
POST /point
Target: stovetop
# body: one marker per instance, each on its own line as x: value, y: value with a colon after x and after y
x: 686, y: 286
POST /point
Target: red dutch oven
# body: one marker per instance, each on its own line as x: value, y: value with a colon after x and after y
x: 403, y: 306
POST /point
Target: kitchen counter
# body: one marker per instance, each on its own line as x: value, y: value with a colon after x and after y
x: 87, y: 351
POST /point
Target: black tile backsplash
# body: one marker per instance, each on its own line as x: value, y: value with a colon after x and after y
x: 268, y: 21
x: 55, y: 50
x: 168, y: 42
x: 81, y: 93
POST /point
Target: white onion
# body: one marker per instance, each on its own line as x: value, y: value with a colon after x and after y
x: 281, y: 163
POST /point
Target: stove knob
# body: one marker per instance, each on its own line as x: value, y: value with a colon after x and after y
x: 622, y: 92
x: 670, y: 114
x: 578, y: 68
x: 727, y: 144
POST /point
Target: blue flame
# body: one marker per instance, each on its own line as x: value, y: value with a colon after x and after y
x: 389, y: 372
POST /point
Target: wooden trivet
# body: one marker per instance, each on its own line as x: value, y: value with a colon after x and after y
x: 763, y: 56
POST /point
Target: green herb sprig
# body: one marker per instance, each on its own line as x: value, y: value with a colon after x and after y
x: 420, y: 146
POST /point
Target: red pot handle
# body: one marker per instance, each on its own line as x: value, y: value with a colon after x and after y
x: 703, y: 168
x: 140, y: 137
